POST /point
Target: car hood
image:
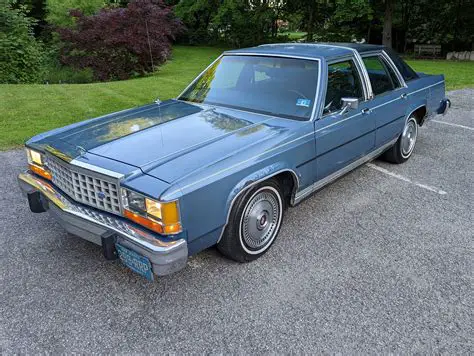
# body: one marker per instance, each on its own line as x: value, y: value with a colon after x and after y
x: 169, y: 140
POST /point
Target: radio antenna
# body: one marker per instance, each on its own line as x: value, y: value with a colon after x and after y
x: 149, y: 45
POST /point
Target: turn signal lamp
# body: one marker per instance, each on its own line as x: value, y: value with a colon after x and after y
x: 36, y: 163
x: 40, y: 171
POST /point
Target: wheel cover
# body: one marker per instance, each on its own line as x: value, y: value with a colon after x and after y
x: 409, y: 135
x: 260, y: 220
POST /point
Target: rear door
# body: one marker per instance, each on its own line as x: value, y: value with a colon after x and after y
x: 390, y: 100
x: 342, y: 138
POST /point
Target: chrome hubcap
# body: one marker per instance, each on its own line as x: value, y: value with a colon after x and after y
x: 409, y: 138
x: 260, y: 220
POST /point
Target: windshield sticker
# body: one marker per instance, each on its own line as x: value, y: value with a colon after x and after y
x: 303, y: 102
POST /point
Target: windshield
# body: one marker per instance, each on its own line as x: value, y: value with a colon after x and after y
x: 283, y: 87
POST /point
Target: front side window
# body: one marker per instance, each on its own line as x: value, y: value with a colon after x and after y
x: 381, y: 75
x: 283, y: 87
x: 343, y: 82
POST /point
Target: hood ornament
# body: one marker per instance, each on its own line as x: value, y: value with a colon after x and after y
x: 82, y: 150
x: 157, y: 101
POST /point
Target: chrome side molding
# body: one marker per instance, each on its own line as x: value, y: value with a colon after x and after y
x: 332, y: 177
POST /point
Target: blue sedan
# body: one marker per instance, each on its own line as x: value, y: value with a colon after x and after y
x: 257, y: 131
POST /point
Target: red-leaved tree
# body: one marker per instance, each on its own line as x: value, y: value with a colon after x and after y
x: 119, y: 42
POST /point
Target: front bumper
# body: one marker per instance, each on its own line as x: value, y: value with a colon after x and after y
x: 93, y: 225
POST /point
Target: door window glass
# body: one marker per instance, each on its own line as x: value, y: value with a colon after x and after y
x: 391, y: 72
x: 405, y: 70
x: 343, y: 82
x: 381, y: 75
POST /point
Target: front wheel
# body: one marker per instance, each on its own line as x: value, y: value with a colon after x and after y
x: 254, y: 222
x: 401, y: 151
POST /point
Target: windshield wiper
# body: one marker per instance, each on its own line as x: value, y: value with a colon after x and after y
x: 263, y: 112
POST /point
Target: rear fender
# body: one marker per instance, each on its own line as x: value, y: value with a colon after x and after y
x: 415, y: 106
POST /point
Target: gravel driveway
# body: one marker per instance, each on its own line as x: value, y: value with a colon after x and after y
x: 379, y: 261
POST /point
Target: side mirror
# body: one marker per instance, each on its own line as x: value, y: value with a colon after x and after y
x: 349, y: 103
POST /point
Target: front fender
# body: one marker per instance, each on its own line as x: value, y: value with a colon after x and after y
x: 206, y: 211
x: 257, y: 177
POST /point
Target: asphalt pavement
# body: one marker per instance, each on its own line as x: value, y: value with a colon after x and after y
x: 379, y: 261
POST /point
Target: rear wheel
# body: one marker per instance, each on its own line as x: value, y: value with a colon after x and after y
x: 402, y: 150
x: 254, y: 222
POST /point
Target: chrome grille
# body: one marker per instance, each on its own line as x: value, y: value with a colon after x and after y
x: 85, y: 186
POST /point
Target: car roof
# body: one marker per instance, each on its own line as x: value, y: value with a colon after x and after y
x: 309, y: 50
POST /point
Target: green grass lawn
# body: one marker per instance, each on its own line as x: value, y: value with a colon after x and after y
x: 26, y: 110
x: 458, y: 75
x: 293, y: 35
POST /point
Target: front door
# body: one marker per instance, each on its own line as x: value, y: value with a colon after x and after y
x: 342, y: 138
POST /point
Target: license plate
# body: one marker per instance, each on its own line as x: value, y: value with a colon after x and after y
x: 137, y: 263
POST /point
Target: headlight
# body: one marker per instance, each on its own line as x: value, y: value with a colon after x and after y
x: 34, y: 157
x: 36, y: 163
x: 162, y: 217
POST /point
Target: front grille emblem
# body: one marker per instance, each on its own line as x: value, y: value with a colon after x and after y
x: 101, y: 195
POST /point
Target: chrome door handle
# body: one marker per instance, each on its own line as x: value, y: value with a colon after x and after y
x: 366, y: 111
x: 404, y: 96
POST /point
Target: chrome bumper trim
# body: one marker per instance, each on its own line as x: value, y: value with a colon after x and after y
x: 90, y: 224
x: 448, y: 106
x: 444, y: 106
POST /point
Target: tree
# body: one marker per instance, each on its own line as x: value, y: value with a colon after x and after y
x: 387, y: 24
x: 348, y: 21
x: 117, y: 43
x: 315, y: 15
x: 35, y: 9
x: 448, y: 23
x: 58, y: 10
x: 197, y: 16
x: 235, y: 22
x: 243, y: 23
x: 21, y: 55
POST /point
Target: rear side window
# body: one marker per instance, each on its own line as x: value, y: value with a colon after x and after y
x: 381, y: 75
x: 405, y: 70
x: 343, y: 82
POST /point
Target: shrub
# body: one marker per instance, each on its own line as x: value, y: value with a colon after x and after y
x: 55, y: 72
x: 58, y: 74
x: 117, y: 43
x: 21, y: 55
x: 58, y: 10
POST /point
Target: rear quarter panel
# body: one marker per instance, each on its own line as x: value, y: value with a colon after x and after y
x: 428, y: 90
